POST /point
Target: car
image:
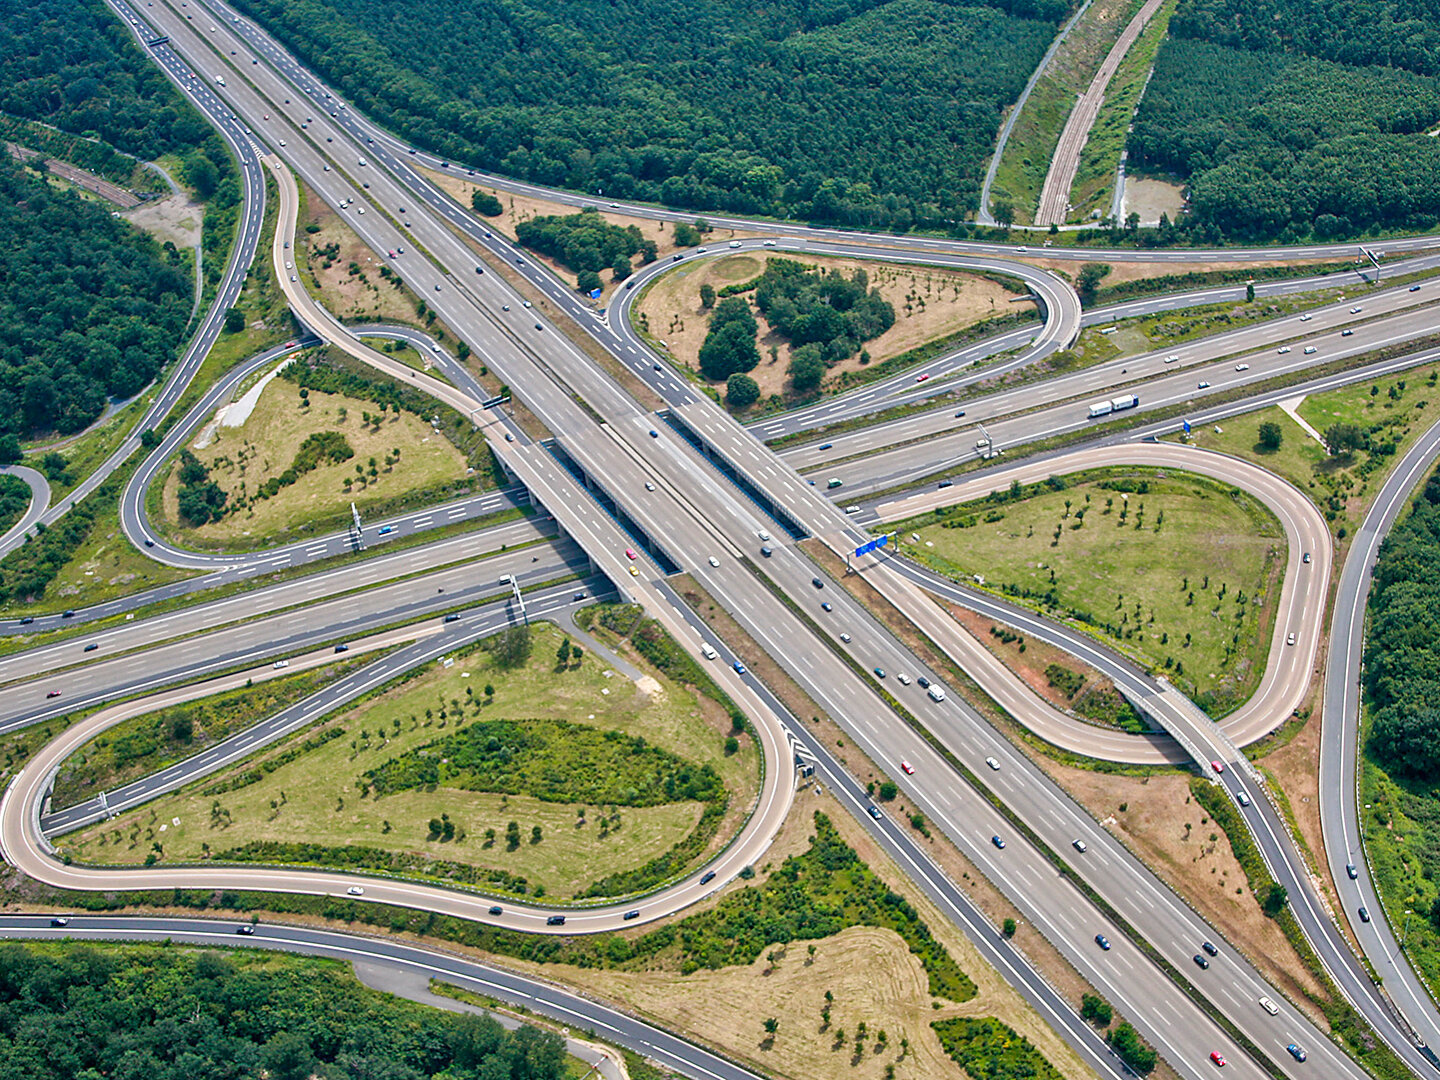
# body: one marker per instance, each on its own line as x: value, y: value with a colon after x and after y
x: 1172, y: 358
x: 845, y: 638
x: 1200, y: 961
x: 923, y: 682
x: 827, y: 606
x: 649, y: 486
x: 817, y: 583
x: 479, y: 269
x: 1079, y: 845
x: 1296, y: 1052
x: 1306, y: 318
x: 874, y: 812
x: 1269, y: 1006
x: 1347, y: 333
x: 763, y: 535
x: 68, y: 613
x: 634, y: 572
x: 630, y: 553
x: 734, y: 243
x: 245, y: 928
x: 1217, y: 1058
x: 1414, y: 288
x: 700, y: 250
x: 355, y: 890
x: 1209, y: 949
x: 1305, y: 558
x: 656, y: 367
x: 1242, y: 797
x: 739, y: 667
x: 526, y: 303
x: 91, y: 647
x: 505, y: 307
x: 280, y: 664
x: 1283, y: 349
x: 1203, y: 386
x: 654, y: 434
x: 908, y: 769
x: 1242, y: 367
x: 27, y: 620
x: 826, y: 446
x: 923, y: 377
x: 342, y: 647
x: 959, y: 414
x: 902, y: 678
x: 1364, y: 915
x: 497, y: 910
x: 60, y: 920
x: 771, y: 243
x: 1356, y: 310
x: 946, y: 483
x: 1310, y: 350
x: 1290, y: 639
x: 998, y: 841
x: 1102, y: 941
x: 53, y: 693
x: 714, y: 561
x: 707, y: 877
x: 1022, y: 248
x: 555, y: 920
x: 631, y: 915
x: 1217, y: 766
x: 454, y: 616
x: 995, y: 765
x: 879, y: 672
x: 1351, y: 871
x: 437, y: 288
x: 676, y: 257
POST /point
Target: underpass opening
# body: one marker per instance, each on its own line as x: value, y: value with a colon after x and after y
x: 612, y: 506
x: 774, y: 510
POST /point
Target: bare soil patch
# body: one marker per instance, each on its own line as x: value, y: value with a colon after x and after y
x: 929, y: 303
x: 174, y: 218
x: 1150, y: 198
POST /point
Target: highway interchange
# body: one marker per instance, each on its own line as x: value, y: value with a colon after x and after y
x: 719, y: 521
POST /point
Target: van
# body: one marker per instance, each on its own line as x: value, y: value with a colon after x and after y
x: 1269, y: 1006
x: 834, y: 483
x: 766, y: 550
x: 936, y: 693
x: 707, y: 650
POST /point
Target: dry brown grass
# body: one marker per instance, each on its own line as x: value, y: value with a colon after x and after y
x: 929, y: 303
x: 349, y: 297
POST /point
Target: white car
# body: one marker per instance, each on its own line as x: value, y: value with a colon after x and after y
x: 1305, y: 318
x: 1283, y: 349
x: 992, y: 763
x: 714, y: 561
x: 734, y: 243
x: 845, y: 638
x: 355, y: 890
x: 769, y: 243
x: 281, y: 664
x: 764, y: 535
x: 1309, y: 350
x: 902, y: 678
x: 1242, y: 367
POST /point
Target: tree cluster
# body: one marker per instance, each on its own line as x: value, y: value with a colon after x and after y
x: 861, y: 112
x: 824, y: 314
x: 175, y: 1014
x: 729, y: 346
x: 586, y: 242
x: 1402, y: 648
x: 1293, y: 138
x: 88, y: 307
x: 200, y: 499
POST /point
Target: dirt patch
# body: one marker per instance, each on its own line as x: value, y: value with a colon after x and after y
x: 1029, y: 662
x: 1173, y: 835
x: 174, y: 218
x: 929, y: 303
x: 343, y: 271
x: 1151, y: 198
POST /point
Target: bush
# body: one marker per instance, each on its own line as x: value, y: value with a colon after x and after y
x: 888, y: 791
x: 986, y: 1047
x: 485, y: 203
x: 741, y: 391
x: 1126, y: 1042
x: 1271, y: 435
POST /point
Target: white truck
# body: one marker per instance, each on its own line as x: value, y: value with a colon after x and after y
x: 1100, y: 408
x: 1114, y: 405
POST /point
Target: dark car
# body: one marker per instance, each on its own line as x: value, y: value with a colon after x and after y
x: 817, y: 583
x: 947, y: 483
x: 1296, y: 1052
x: 497, y: 910
x: 739, y: 667
x: 1364, y: 915
x: 91, y: 647
x: 1210, y: 949
x: 68, y: 614
x: 342, y: 648
x: 998, y: 841
x: 59, y: 920
x: 27, y: 620
x: 245, y: 928
x: 654, y: 434
x: 923, y: 682
x: 1201, y: 961
x: 578, y: 596
x: 1414, y: 288
x: 555, y: 920
x: 454, y: 616
x: 479, y: 269
x: 1351, y: 871
x: 1102, y: 941
x: 827, y: 606
x: 632, y: 914
x: 707, y: 877
x: 875, y: 812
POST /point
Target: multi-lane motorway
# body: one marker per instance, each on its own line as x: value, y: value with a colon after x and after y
x: 698, y: 520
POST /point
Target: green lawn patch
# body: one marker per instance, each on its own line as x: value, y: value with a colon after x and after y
x: 986, y: 1047
x: 1173, y: 569
x: 524, y: 778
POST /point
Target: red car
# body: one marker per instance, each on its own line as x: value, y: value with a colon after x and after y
x: 921, y: 378
x: 909, y: 769
x: 629, y: 553
x: 1217, y: 1058
x: 1217, y: 766
x: 53, y: 693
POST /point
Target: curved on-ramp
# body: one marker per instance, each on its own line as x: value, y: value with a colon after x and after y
x: 1299, y: 608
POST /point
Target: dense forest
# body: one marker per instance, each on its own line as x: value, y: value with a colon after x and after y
x: 88, y: 306
x: 587, y: 244
x: 1402, y: 648
x: 855, y: 111
x: 166, y: 1013
x: 1295, y: 119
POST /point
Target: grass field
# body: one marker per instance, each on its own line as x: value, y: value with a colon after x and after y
x: 1177, y: 571
x: 319, y: 796
x: 929, y: 303
x: 241, y: 459
x: 1343, y: 488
